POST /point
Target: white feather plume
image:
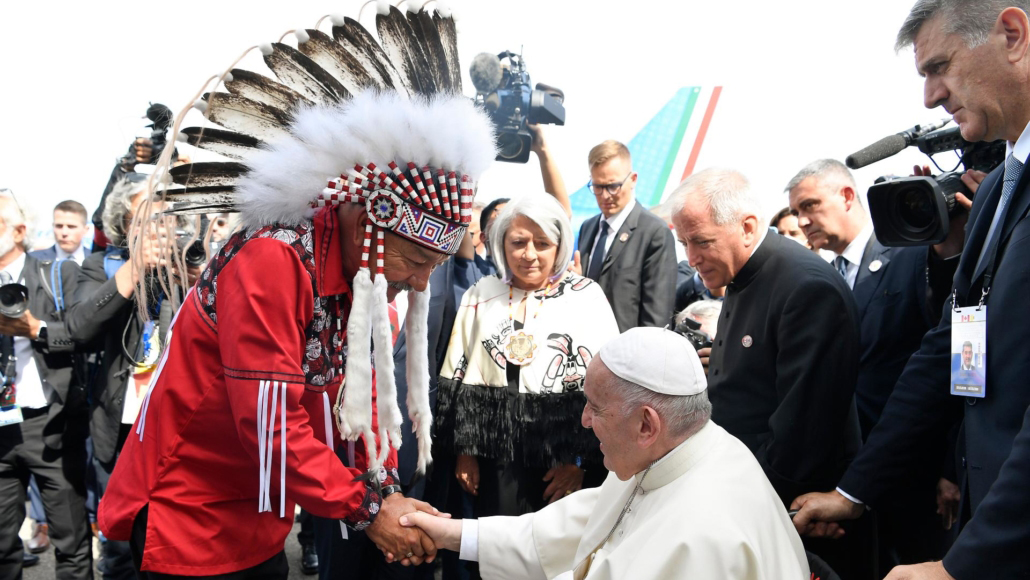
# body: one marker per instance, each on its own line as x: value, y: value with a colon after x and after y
x: 446, y: 132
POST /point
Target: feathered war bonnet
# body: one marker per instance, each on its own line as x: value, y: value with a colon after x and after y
x: 352, y: 120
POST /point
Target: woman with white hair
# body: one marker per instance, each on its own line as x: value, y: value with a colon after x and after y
x: 511, y: 387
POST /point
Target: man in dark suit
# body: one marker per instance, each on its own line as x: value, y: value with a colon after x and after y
x: 986, y: 88
x: 890, y: 289
x: 626, y: 249
x: 785, y: 360
x: 49, y: 440
x: 69, y: 229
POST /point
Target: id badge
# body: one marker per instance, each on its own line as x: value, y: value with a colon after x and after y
x: 969, y: 351
x: 10, y: 415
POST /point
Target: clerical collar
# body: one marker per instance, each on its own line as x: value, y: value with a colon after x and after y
x: 678, y: 461
x: 755, y: 262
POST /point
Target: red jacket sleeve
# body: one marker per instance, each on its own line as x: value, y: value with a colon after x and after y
x: 263, y: 304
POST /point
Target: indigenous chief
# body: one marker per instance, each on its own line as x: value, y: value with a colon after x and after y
x: 975, y: 61
x: 684, y: 499
x: 783, y: 367
x: 349, y: 201
x: 512, y: 384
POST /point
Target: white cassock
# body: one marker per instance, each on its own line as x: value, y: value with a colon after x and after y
x: 705, y: 510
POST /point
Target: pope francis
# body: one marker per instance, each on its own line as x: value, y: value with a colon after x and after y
x: 684, y: 499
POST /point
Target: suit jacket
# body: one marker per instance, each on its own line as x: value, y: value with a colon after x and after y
x: 891, y: 295
x: 103, y: 320
x: 784, y: 365
x: 639, y: 272
x: 996, y: 433
x: 51, y: 253
x: 59, y: 368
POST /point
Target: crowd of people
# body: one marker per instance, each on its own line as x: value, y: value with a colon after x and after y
x: 794, y: 399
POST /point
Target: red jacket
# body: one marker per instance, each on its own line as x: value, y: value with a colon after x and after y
x: 193, y: 456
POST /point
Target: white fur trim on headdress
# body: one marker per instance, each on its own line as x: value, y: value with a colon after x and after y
x: 355, y: 418
x: 388, y: 413
x: 447, y: 131
x: 416, y: 327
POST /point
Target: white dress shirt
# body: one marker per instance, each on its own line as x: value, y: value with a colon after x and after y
x: 77, y: 256
x: 854, y: 252
x: 614, y: 224
x: 28, y: 385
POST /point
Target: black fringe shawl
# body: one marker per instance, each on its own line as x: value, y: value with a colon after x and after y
x: 539, y: 430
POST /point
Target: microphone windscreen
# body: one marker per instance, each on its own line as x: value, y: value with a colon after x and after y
x: 486, y: 72
x: 882, y: 149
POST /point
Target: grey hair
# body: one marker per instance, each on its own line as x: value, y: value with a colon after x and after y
x: 727, y: 193
x: 705, y: 309
x: 826, y: 170
x: 972, y: 20
x: 13, y: 217
x: 683, y: 414
x: 544, y: 211
x: 117, y: 206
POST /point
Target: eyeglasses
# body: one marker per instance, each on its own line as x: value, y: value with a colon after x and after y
x: 609, y: 188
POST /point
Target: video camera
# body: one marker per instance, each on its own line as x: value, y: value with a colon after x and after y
x: 916, y: 211
x: 14, y: 297
x: 503, y: 90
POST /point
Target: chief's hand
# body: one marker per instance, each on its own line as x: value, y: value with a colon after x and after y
x: 467, y: 472
x: 445, y: 532
x: 564, y: 479
x: 819, y: 513
x: 704, y: 354
x: 927, y: 571
x: 397, y: 541
x: 948, y: 496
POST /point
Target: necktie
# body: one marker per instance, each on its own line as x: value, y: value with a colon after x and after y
x: 597, y: 258
x: 1013, y: 170
x: 842, y: 266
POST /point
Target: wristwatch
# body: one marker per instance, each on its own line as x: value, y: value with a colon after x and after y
x: 41, y: 334
x: 389, y: 490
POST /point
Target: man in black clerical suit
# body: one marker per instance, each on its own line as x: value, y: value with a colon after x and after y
x: 975, y: 58
x: 783, y: 367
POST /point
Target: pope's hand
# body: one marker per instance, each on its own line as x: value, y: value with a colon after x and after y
x: 927, y: 571
x: 818, y: 514
x: 408, y: 545
x: 445, y: 532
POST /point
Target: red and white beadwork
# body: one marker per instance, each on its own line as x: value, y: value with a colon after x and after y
x: 433, y: 212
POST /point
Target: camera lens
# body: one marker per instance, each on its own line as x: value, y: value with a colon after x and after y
x: 509, y: 145
x: 914, y: 208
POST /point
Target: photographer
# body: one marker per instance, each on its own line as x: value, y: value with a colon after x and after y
x: 975, y: 59
x: 107, y: 317
x: 43, y: 405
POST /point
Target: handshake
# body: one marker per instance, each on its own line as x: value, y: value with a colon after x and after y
x: 411, y: 531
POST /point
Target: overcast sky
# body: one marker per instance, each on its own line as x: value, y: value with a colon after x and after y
x: 802, y: 79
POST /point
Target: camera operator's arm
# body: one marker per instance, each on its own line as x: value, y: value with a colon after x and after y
x: 139, y: 152
x: 553, y: 182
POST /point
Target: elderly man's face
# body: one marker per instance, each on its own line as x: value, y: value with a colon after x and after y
x: 822, y: 210
x: 717, y: 252
x: 11, y: 238
x: 967, y: 355
x: 971, y: 84
x: 407, y: 265
x: 604, y: 414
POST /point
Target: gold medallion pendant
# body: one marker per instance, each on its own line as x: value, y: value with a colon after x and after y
x: 519, y: 348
